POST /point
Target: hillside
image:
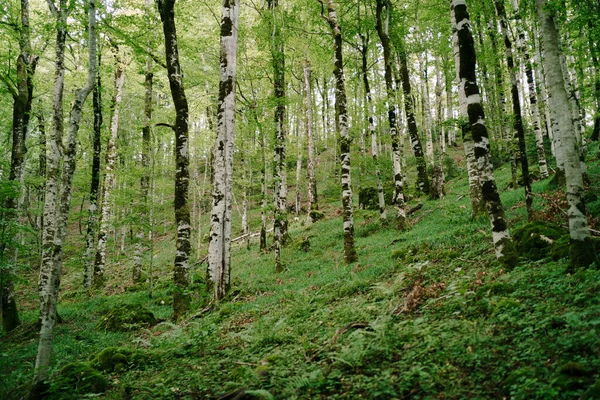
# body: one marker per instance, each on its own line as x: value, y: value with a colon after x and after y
x: 427, y: 313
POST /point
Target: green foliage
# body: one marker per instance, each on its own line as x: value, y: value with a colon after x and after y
x: 537, y: 240
x: 127, y: 317
x: 78, y: 379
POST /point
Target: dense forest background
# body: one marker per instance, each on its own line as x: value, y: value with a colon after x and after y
x: 286, y: 199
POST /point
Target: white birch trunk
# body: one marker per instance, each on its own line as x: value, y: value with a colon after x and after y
x: 567, y: 146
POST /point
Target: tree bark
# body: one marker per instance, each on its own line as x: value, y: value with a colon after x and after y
x: 468, y: 85
x: 181, y: 299
x: 371, y: 125
x: 109, y: 174
x: 279, y: 159
x: 582, y: 252
x: 59, y: 185
x: 142, y: 234
x: 313, y: 203
x: 219, y: 248
x: 409, y: 108
x: 519, y: 131
x: 95, y: 184
x: 350, y: 254
x: 383, y: 33
x: 22, y: 93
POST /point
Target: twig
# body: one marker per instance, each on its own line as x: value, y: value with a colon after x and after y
x: 352, y: 325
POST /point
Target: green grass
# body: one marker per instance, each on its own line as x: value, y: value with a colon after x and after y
x: 426, y: 313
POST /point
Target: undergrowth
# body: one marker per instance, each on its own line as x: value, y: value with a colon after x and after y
x: 427, y: 313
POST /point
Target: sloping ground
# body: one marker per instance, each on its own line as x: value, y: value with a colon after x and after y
x: 424, y: 314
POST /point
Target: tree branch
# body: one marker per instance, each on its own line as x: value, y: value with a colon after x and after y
x: 166, y: 125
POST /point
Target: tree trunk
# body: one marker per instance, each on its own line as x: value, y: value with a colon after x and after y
x: 350, y: 254
x: 22, y: 93
x: 109, y: 174
x: 219, y: 248
x: 519, y: 131
x: 468, y: 84
x: 582, y: 251
x: 383, y: 33
x: 141, y: 242
x: 95, y: 184
x: 279, y: 159
x: 409, y: 108
x: 58, y: 186
x: 371, y: 124
x: 535, y: 111
x: 310, y: 141
x: 181, y: 300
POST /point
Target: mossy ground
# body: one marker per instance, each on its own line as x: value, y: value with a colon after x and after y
x: 426, y: 313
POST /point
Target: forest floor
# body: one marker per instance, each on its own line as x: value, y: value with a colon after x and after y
x: 424, y: 314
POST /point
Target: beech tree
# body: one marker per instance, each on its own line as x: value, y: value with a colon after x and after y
x: 59, y: 184
x: 181, y: 299
x: 22, y: 94
x: 109, y: 174
x: 219, y: 256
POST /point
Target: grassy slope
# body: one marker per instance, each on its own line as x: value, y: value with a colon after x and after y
x: 434, y: 317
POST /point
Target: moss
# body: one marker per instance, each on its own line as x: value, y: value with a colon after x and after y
x: 302, y: 244
x: 118, y: 359
x: 81, y: 378
x: 510, y: 257
x: 127, y: 317
x: 262, y: 372
x: 316, y: 215
x: 536, y: 240
x: 582, y: 254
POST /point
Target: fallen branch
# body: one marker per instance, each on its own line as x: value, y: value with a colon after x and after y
x: 352, y: 325
x: 254, y: 234
x: 414, y: 209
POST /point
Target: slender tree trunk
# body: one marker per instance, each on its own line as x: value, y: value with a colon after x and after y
x: 371, y: 125
x: 519, y: 131
x: 108, y: 187
x: 537, y: 126
x: 279, y: 160
x: 582, y: 251
x: 468, y: 84
x: 58, y: 186
x: 350, y: 254
x: 22, y: 93
x: 141, y: 235
x: 310, y: 141
x: 95, y: 184
x: 383, y: 33
x: 475, y: 191
x: 409, y: 108
x: 181, y: 300
x: 219, y: 248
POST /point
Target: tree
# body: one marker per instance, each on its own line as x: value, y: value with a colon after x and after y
x: 219, y: 255
x: 389, y: 85
x: 310, y: 140
x: 279, y: 160
x: 350, y: 254
x: 109, y: 175
x: 181, y: 299
x: 59, y: 184
x: 582, y: 252
x: 95, y: 182
x: 22, y: 94
x: 468, y: 85
x: 519, y: 130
